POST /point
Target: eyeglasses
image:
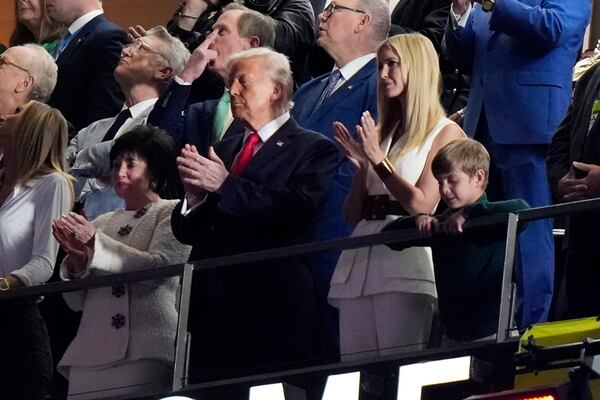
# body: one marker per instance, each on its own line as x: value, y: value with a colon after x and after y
x: 140, y: 44
x: 328, y: 11
x: 4, y: 61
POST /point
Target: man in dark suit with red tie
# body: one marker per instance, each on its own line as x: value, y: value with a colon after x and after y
x: 261, y: 189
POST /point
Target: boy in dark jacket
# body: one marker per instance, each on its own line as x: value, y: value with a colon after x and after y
x: 468, y: 267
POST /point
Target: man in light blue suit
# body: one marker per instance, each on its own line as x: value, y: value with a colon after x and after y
x: 349, y: 32
x: 520, y: 54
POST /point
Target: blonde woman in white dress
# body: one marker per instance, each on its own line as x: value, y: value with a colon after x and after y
x: 386, y: 298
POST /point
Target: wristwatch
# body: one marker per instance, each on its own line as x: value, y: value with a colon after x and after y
x: 488, y: 5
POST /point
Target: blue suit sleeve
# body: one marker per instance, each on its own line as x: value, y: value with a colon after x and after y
x: 545, y: 26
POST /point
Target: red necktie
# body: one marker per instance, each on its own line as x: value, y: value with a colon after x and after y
x: 246, y: 154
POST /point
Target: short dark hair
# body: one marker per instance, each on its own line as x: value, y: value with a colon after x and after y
x: 158, y: 149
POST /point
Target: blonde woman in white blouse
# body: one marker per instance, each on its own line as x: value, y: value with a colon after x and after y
x: 35, y: 190
x: 126, y: 338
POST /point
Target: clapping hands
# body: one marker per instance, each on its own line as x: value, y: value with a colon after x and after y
x: 76, y: 235
x: 365, y: 148
x: 199, y: 174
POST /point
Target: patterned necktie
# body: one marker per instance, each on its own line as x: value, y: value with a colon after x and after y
x: 333, y: 80
x: 123, y: 116
x: 246, y: 154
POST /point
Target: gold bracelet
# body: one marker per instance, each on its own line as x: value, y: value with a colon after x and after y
x: 384, y: 169
x: 4, y: 284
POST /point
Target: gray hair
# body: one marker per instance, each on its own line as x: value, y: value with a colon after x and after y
x: 380, y: 18
x: 276, y: 65
x: 253, y: 23
x: 44, y: 71
x: 173, y: 49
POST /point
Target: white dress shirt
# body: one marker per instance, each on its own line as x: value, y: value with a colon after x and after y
x: 351, y: 68
x: 460, y: 20
x: 27, y: 247
x: 84, y: 19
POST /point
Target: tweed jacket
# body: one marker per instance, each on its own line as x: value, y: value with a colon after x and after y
x: 134, y: 321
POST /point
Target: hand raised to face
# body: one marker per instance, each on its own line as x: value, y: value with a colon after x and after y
x: 199, y: 60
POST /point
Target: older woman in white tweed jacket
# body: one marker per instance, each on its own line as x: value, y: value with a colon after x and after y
x: 125, y: 341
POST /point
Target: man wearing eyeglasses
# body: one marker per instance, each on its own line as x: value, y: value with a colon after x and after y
x: 27, y: 72
x: 146, y: 68
x: 87, y: 56
x: 349, y: 32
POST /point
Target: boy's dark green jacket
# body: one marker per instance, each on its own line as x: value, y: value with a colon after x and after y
x: 468, y: 269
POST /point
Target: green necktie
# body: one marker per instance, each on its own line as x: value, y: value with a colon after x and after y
x: 220, y: 117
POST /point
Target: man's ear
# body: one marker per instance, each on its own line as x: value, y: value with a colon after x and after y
x: 254, y: 41
x: 364, y: 22
x: 25, y: 84
x: 164, y: 73
x: 277, y: 92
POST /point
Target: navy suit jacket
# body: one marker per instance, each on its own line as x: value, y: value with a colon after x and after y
x: 192, y: 124
x: 345, y: 105
x: 264, y: 313
x: 521, y: 57
x: 86, y: 90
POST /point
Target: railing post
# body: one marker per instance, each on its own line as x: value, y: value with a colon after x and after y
x: 181, y: 341
x: 506, y: 300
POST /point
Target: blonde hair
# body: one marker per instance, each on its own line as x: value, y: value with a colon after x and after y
x: 466, y: 155
x: 40, y: 135
x: 420, y: 107
x: 47, y: 32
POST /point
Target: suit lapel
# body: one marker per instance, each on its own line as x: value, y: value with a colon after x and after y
x: 235, y: 128
x: 275, y: 145
x: 344, y: 91
x: 228, y: 148
x: 309, y: 103
x: 79, y: 38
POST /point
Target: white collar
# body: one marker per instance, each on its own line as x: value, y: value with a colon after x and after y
x: 351, y: 68
x: 140, y: 107
x: 83, y: 20
x: 267, y: 130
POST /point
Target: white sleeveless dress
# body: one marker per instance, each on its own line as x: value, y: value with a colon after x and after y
x: 378, y: 270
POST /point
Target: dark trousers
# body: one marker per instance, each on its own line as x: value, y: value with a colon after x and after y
x: 26, y: 362
x: 582, y: 272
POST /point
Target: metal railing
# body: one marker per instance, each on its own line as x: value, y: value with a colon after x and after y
x: 186, y: 270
